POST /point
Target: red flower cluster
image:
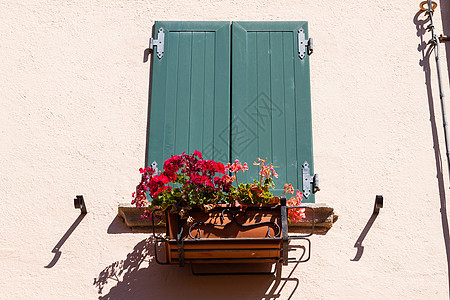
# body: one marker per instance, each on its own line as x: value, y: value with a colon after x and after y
x: 296, y: 214
x: 139, y: 198
x: 191, y: 172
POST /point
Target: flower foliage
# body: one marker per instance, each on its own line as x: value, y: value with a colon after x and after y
x: 189, y: 180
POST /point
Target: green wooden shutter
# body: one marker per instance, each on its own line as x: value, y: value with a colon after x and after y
x: 270, y: 100
x: 190, y: 92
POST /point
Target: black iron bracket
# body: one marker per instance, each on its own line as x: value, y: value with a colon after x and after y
x: 287, y: 238
x: 284, y: 225
x: 378, y: 204
x: 180, y: 242
x: 158, y: 239
x: 78, y: 202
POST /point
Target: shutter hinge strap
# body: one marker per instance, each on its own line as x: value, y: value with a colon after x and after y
x: 159, y: 43
x: 309, y: 180
x: 304, y: 45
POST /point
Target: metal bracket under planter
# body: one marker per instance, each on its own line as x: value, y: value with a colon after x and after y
x: 270, y: 249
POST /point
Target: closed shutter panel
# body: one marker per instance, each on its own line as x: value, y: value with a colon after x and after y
x: 190, y: 92
x: 270, y: 100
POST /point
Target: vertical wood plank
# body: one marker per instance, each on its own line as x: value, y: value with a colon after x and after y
x: 208, y: 104
x: 263, y: 105
x: 222, y: 94
x: 197, y: 92
x: 155, y: 146
x: 303, y: 115
x: 277, y: 109
x: 292, y: 169
x: 183, y: 93
x: 171, y: 92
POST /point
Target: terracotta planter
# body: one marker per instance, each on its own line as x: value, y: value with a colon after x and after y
x: 225, y: 234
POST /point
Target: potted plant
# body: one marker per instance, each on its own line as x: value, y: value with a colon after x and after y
x: 207, y: 210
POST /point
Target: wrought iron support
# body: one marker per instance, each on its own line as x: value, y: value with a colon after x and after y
x: 284, y: 226
x: 78, y: 202
x: 180, y: 242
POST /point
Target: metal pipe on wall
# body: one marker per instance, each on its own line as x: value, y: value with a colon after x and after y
x: 435, y: 42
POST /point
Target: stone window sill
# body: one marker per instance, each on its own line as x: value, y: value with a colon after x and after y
x: 324, y: 219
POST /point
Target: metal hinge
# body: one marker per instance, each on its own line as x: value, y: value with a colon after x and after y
x: 154, y: 165
x: 159, y: 43
x: 308, y: 180
x: 304, y: 45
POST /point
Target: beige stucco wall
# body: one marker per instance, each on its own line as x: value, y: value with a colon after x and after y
x: 73, y: 109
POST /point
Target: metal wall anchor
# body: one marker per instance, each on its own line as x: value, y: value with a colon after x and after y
x: 443, y: 38
x: 78, y: 202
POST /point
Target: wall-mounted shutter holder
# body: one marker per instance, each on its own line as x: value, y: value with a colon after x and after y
x: 159, y: 43
x: 78, y: 202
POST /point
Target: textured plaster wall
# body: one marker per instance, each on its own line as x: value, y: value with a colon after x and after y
x: 73, y: 109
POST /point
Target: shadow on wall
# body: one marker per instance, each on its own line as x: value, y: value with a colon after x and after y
x: 376, y: 210
x: 140, y: 277
x: 445, y: 13
x: 56, y: 250
x: 118, y: 226
x: 421, y: 21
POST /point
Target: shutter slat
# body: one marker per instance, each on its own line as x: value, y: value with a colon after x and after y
x: 277, y: 105
x: 183, y: 93
x: 170, y: 114
x: 197, y: 90
x: 208, y: 109
x: 262, y: 107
